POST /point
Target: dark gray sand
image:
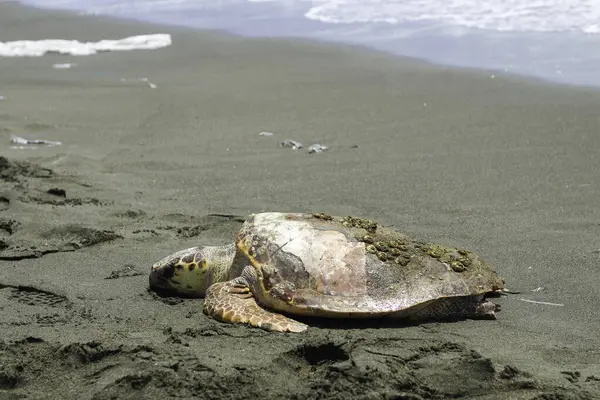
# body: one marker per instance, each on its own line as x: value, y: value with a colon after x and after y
x: 507, y: 168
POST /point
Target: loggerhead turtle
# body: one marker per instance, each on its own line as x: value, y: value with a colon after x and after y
x: 321, y: 265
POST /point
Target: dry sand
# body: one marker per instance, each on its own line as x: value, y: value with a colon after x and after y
x: 505, y: 167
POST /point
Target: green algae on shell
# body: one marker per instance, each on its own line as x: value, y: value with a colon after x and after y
x: 322, y: 216
x: 459, y: 260
x: 355, y: 222
x: 389, y: 246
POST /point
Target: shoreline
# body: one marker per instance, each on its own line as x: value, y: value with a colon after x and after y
x: 414, y: 48
x: 506, y: 168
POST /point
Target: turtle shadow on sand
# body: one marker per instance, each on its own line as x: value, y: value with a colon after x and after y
x: 341, y: 269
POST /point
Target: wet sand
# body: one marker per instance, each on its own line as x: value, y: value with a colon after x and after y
x: 505, y: 167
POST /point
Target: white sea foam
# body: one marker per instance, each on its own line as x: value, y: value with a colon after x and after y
x: 36, y: 48
x: 497, y: 15
x: 473, y: 33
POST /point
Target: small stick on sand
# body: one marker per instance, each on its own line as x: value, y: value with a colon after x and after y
x: 543, y: 302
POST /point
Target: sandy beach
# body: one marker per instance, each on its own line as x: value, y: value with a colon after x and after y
x: 161, y: 151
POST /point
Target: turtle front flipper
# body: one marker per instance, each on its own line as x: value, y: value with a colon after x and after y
x: 233, y: 302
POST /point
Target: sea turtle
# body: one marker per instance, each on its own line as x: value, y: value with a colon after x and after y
x: 327, y: 266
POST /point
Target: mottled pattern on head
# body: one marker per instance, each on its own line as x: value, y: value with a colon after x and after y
x: 191, y: 271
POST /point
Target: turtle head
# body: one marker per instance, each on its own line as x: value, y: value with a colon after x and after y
x: 183, y: 273
x: 191, y: 271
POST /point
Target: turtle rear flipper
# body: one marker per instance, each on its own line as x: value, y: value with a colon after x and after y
x: 233, y: 302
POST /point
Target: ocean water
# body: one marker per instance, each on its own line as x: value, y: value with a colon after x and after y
x: 556, y: 40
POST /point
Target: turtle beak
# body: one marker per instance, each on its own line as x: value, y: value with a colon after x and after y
x: 160, y: 275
